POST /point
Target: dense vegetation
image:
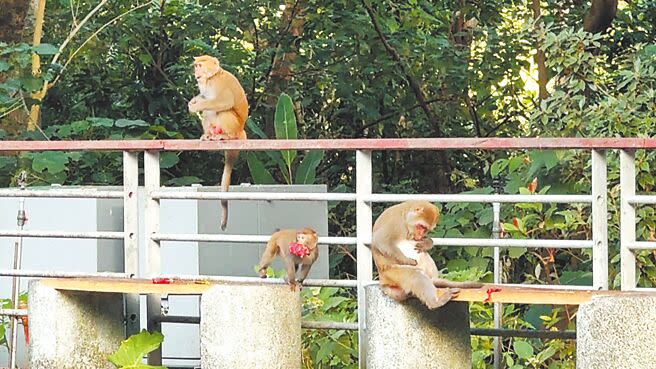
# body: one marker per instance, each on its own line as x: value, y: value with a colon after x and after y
x: 369, y: 68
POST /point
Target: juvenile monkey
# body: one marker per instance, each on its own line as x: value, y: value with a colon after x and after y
x: 399, y: 247
x: 224, y: 108
x: 294, y: 247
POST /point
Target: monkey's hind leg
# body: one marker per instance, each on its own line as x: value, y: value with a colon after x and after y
x: 266, y: 259
x: 414, y: 281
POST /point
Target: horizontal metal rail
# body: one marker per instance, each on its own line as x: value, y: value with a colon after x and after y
x: 240, y: 238
x: 458, y: 143
x: 258, y: 281
x: 64, y: 234
x: 269, y: 196
x: 499, y: 332
x: 307, y: 324
x: 316, y: 324
x: 53, y: 274
x: 511, y: 242
x: 642, y: 245
x: 641, y: 200
x: 479, y: 242
x: 353, y: 326
x: 56, y: 192
x: 480, y: 198
x: 13, y: 312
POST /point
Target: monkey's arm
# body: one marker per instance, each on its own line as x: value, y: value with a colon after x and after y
x: 222, y: 102
x: 393, y: 252
x: 305, y: 269
x: 424, y: 245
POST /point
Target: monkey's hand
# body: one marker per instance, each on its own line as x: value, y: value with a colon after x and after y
x: 424, y: 245
x: 194, y: 105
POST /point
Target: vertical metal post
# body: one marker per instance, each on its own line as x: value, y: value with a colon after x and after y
x: 627, y: 219
x: 153, y: 254
x: 363, y: 186
x: 131, y: 236
x: 21, y: 219
x: 496, y: 230
x: 599, y: 221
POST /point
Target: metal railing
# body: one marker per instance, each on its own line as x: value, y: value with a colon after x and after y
x: 363, y: 198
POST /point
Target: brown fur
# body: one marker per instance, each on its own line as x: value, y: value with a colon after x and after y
x: 402, y: 276
x: 279, y: 245
x: 224, y: 108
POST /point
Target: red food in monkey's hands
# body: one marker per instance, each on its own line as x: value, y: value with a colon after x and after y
x: 298, y: 249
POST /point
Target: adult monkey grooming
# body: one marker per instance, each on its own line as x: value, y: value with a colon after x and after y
x: 224, y: 108
x: 399, y: 246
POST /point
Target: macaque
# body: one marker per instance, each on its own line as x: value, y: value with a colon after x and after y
x: 294, y: 247
x: 399, y: 247
x: 224, y: 108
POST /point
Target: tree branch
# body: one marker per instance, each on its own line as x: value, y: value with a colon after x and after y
x: 414, y: 85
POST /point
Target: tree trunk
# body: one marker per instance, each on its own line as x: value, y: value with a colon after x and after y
x: 600, y: 15
x: 16, y: 25
x: 540, y: 58
x: 281, y: 68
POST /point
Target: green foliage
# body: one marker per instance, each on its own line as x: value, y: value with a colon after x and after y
x: 285, y: 129
x: 131, y: 352
x: 329, y: 348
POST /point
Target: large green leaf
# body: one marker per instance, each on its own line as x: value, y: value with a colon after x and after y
x: 52, y: 161
x: 523, y: 349
x: 130, y: 353
x: 307, y: 169
x: 121, y: 123
x: 168, y: 159
x: 46, y: 49
x: 285, y: 127
x: 259, y: 173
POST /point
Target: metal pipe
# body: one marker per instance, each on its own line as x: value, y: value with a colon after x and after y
x: 491, y: 198
x: 562, y: 335
x: 315, y: 324
x: 189, y: 237
x: 627, y: 220
x: 131, y: 236
x: 599, y: 215
x: 64, y: 234
x: 306, y: 324
x: 49, y: 274
x: 66, y: 193
x: 363, y: 214
x: 480, y: 242
x: 269, y: 196
x: 496, y: 233
x: 641, y: 245
x: 13, y: 312
x: 450, y: 143
x: 153, y: 248
x: 21, y: 219
x: 259, y: 281
x: 641, y: 199
x: 507, y: 242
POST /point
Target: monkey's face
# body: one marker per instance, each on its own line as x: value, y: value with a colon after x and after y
x: 205, y: 67
x: 421, y: 220
x: 309, y: 240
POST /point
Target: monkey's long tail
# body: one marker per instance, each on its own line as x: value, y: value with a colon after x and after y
x: 230, y: 158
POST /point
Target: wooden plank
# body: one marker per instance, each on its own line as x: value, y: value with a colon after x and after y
x: 455, y: 143
x: 506, y: 294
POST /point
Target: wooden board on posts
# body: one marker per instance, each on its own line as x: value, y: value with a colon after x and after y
x: 515, y: 294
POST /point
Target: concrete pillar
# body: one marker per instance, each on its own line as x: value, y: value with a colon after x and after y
x: 250, y: 326
x: 408, y: 335
x: 616, y: 332
x: 73, y: 330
